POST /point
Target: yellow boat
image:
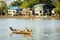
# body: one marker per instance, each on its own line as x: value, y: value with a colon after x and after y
x: 19, y: 32
x: 16, y: 32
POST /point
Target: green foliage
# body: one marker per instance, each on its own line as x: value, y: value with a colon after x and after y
x: 16, y: 3
x: 29, y: 4
x: 33, y: 2
x: 3, y: 7
x: 59, y: 0
x: 57, y: 11
x: 57, y: 5
x: 24, y: 4
x: 46, y: 1
x: 49, y: 2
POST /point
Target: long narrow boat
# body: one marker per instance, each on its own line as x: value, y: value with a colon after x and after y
x: 19, y: 32
x: 22, y: 32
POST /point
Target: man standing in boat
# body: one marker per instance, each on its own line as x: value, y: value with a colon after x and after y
x: 25, y: 29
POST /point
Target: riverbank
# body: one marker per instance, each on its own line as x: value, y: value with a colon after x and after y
x: 17, y: 17
x: 32, y: 17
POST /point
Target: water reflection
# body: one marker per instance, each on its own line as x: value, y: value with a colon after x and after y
x: 25, y: 35
x: 21, y: 36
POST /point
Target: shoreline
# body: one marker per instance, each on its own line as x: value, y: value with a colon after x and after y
x: 28, y: 17
x: 17, y: 16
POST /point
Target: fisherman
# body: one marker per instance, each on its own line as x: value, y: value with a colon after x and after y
x: 26, y: 30
x: 14, y: 29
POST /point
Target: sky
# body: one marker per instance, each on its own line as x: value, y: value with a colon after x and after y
x: 8, y: 1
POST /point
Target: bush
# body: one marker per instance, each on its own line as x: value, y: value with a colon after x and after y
x: 57, y: 11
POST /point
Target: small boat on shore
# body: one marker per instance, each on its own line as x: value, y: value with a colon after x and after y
x: 14, y: 31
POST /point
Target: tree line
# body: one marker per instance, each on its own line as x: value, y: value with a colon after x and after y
x: 29, y: 4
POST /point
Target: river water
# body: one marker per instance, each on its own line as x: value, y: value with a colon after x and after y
x: 41, y: 29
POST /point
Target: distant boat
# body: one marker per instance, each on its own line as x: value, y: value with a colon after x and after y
x: 19, y: 32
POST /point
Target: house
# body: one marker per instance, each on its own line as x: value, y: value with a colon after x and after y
x: 43, y: 9
x: 12, y: 10
x: 24, y: 11
x: 27, y: 11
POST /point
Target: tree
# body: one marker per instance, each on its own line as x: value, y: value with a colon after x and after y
x: 16, y: 3
x: 29, y: 3
x: 33, y: 2
x: 3, y: 7
x: 46, y: 1
x: 59, y: 0
x: 57, y: 4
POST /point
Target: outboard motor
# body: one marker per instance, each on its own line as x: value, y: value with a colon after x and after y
x: 11, y: 28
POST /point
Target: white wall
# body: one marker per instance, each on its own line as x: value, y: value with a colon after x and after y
x: 11, y: 12
x: 37, y: 11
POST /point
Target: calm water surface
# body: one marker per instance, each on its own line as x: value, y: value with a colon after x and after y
x: 42, y: 29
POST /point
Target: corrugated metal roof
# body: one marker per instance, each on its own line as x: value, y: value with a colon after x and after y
x: 14, y: 7
x: 39, y: 5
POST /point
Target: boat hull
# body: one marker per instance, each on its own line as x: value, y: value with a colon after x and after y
x: 19, y: 32
x: 16, y: 32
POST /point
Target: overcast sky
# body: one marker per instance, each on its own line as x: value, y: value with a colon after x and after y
x: 8, y: 1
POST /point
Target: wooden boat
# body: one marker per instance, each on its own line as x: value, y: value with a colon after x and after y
x: 16, y: 32
x: 19, y: 32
